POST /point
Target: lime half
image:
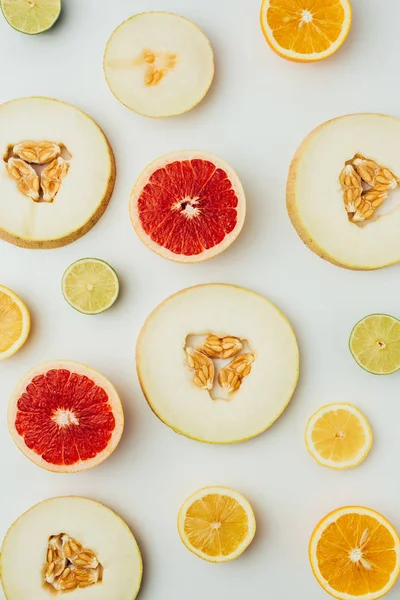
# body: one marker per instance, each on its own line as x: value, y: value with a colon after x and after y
x: 90, y: 286
x: 31, y: 16
x: 375, y: 344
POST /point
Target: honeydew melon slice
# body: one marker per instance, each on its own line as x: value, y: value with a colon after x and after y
x: 85, y: 189
x: 100, y: 534
x: 159, y: 64
x: 315, y: 196
x: 180, y: 325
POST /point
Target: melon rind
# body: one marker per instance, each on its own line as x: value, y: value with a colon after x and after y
x: 161, y: 162
x: 85, y: 191
x: 94, y: 525
x: 221, y: 309
x: 99, y: 380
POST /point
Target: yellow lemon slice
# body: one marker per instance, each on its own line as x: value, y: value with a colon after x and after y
x: 305, y: 30
x: 355, y: 553
x: 217, y: 524
x: 375, y: 344
x: 15, y: 323
x: 338, y: 436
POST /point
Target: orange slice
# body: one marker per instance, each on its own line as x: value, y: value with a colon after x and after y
x: 338, y: 436
x: 355, y: 553
x: 15, y: 323
x: 305, y: 30
x: 217, y: 524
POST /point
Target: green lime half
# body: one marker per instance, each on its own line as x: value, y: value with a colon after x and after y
x: 31, y: 16
x: 90, y: 286
x: 375, y: 344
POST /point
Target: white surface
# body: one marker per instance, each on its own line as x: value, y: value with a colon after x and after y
x: 257, y: 112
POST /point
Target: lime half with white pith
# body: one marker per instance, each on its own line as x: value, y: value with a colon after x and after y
x: 90, y: 286
x: 375, y: 344
x: 31, y: 16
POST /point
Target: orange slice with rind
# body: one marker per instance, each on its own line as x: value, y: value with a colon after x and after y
x: 355, y: 554
x: 217, y: 524
x: 15, y: 323
x: 305, y: 30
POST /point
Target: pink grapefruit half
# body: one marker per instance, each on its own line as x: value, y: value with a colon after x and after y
x: 65, y: 417
x: 188, y: 206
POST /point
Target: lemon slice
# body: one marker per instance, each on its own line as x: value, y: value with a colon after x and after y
x: 338, y: 436
x: 375, y: 344
x: 90, y: 286
x: 31, y: 16
x: 217, y: 524
x: 15, y: 323
x: 355, y: 553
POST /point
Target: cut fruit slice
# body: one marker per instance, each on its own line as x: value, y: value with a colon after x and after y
x: 338, y: 436
x: 31, y: 17
x: 217, y: 524
x: 15, y: 323
x: 355, y: 554
x: 90, y: 286
x: 305, y: 30
x: 340, y: 175
x: 57, y: 173
x: 188, y: 206
x: 159, y: 64
x: 72, y: 547
x: 230, y: 401
x: 65, y: 417
x: 375, y: 344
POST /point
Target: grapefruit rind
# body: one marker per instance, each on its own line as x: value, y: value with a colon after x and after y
x: 224, y: 491
x: 160, y: 163
x: 166, y: 382
x: 87, y: 520
x: 26, y: 323
x: 99, y: 380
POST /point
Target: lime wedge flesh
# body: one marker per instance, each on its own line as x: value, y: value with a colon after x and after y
x: 31, y: 16
x: 90, y: 286
x: 375, y: 344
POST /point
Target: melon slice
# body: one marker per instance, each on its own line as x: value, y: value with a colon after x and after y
x: 65, y: 417
x: 72, y: 547
x: 341, y: 191
x: 159, y: 64
x: 200, y: 383
x: 188, y: 206
x: 57, y: 173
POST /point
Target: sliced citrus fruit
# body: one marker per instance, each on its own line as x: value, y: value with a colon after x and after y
x: 31, y: 16
x: 15, y: 323
x: 75, y: 547
x: 65, y: 417
x: 338, y: 436
x: 188, y: 206
x: 90, y: 286
x: 159, y: 64
x: 305, y: 30
x: 217, y: 524
x: 375, y: 344
x: 355, y: 553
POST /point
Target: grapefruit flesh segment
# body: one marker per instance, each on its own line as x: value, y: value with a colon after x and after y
x: 65, y: 420
x: 188, y: 210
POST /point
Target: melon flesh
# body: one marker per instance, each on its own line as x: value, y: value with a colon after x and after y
x: 86, y: 189
x: 24, y: 549
x: 168, y: 46
x: 223, y: 310
x: 315, y: 198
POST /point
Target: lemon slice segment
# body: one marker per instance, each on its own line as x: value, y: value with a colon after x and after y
x: 31, y: 16
x: 90, y: 285
x: 338, y: 436
x: 217, y: 524
x: 375, y: 344
x: 15, y: 323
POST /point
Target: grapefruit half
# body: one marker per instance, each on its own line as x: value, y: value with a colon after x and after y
x: 188, y: 206
x: 65, y: 417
